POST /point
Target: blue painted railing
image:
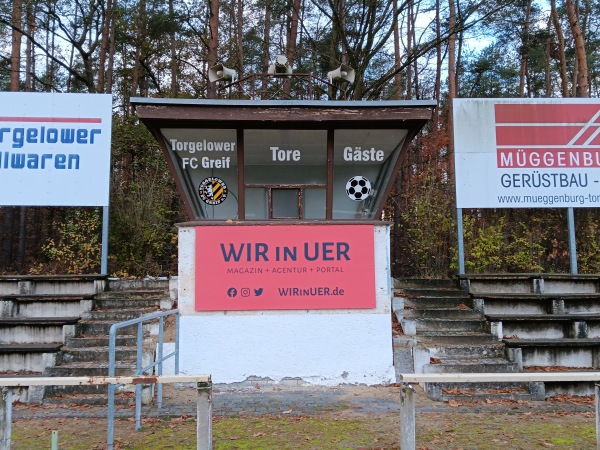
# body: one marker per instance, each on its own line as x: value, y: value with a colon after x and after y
x: 140, y: 368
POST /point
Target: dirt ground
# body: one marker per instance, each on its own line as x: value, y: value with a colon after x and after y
x: 304, y: 417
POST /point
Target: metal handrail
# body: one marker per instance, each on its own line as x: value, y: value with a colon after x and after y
x: 204, y: 402
x: 140, y: 369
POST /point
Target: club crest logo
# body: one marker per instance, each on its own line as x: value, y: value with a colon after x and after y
x: 213, y: 191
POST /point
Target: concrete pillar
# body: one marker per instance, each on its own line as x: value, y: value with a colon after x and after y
x: 204, y: 406
x: 478, y: 305
x: 557, y: 306
x: 25, y: 287
x: 408, y: 419
x: 515, y: 355
x: 576, y: 330
x: 5, y: 418
x: 595, y: 358
x: 496, y: 330
x: 538, y: 285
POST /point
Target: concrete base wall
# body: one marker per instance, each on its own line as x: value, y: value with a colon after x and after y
x: 327, y: 347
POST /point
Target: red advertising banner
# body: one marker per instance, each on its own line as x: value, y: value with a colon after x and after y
x: 276, y: 267
x: 548, y: 135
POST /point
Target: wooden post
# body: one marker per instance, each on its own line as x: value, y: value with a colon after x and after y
x: 204, y: 407
x: 408, y: 421
x: 597, y: 402
x: 5, y: 418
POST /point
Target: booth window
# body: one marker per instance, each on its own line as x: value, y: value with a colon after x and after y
x: 285, y: 174
x: 363, y: 164
x: 205, y: 160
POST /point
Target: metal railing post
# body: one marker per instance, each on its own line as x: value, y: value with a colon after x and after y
x: 139, y: 371
x: 408, y: 421
x: 161, y: 336
x: 140, y: 368
x: 204, y: 408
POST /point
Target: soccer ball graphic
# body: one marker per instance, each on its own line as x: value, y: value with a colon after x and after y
x: 358, y: 188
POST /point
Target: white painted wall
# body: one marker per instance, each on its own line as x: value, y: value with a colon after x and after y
x: 325, y: 347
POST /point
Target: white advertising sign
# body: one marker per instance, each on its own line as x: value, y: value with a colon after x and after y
x: 527, y: 153
x: 54, y: 149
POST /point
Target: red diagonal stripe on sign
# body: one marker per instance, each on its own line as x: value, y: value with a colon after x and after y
x: 545, y: 112
x: 537, y: 135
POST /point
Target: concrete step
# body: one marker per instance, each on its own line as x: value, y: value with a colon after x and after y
x: 470, y: 365
x: 118, y: 315
x: 456, y: 338
x: 441, y: 313
x: 437, y: 302
x: 26, y: 330
x: 423, y: 282
x: 557, y: 352
x: 101, y: 341
x: 36, y: 298
x: 450, y: 325
x: 464, y: 350
x: 28, y: 357
x: 90, y: 369
x: 126, y: 303
x: 528, y: 303
x: 101, y: 328
x: 96, y: 354
x: 547, y: 327
x: 123, y: 397
x: 484, y: 395
x: 28, y: 305
x: 135, y: 294
x: 434, y: 293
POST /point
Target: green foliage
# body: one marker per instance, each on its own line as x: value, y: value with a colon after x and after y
x: 588, y: 241
x: 485, y: 246
x: 144, y: 205
x: 77, y: 247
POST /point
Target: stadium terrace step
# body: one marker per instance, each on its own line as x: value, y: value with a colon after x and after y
x: 48, y: 305
x: 545, y: 326
x: 117, y: 314
x: 43, y: 330
x: 102, y: 341
x: 28, y: 357
x: 436, y: 302
x: 546, y: 283
x: 529, y: 303
x: 470, y: 365
x: 583, y: 353
x: 589, y: 342
x: 454, y: 324
x: 86, y: 353
x: 441, y: 313
x: 451, y: 337
x: 6, y: 349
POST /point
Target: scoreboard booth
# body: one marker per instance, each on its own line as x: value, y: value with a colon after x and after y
x: 284, y: 266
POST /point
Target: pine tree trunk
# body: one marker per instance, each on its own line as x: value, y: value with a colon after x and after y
x: 451, y: 85
x: 580, y: 54
x: 266, y: 45
x: 564, y: 88
x: 524, y: 50
x: 15, y: 56
x: 213, y: 44
x: 173, y: 45
x: 398, y: 76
